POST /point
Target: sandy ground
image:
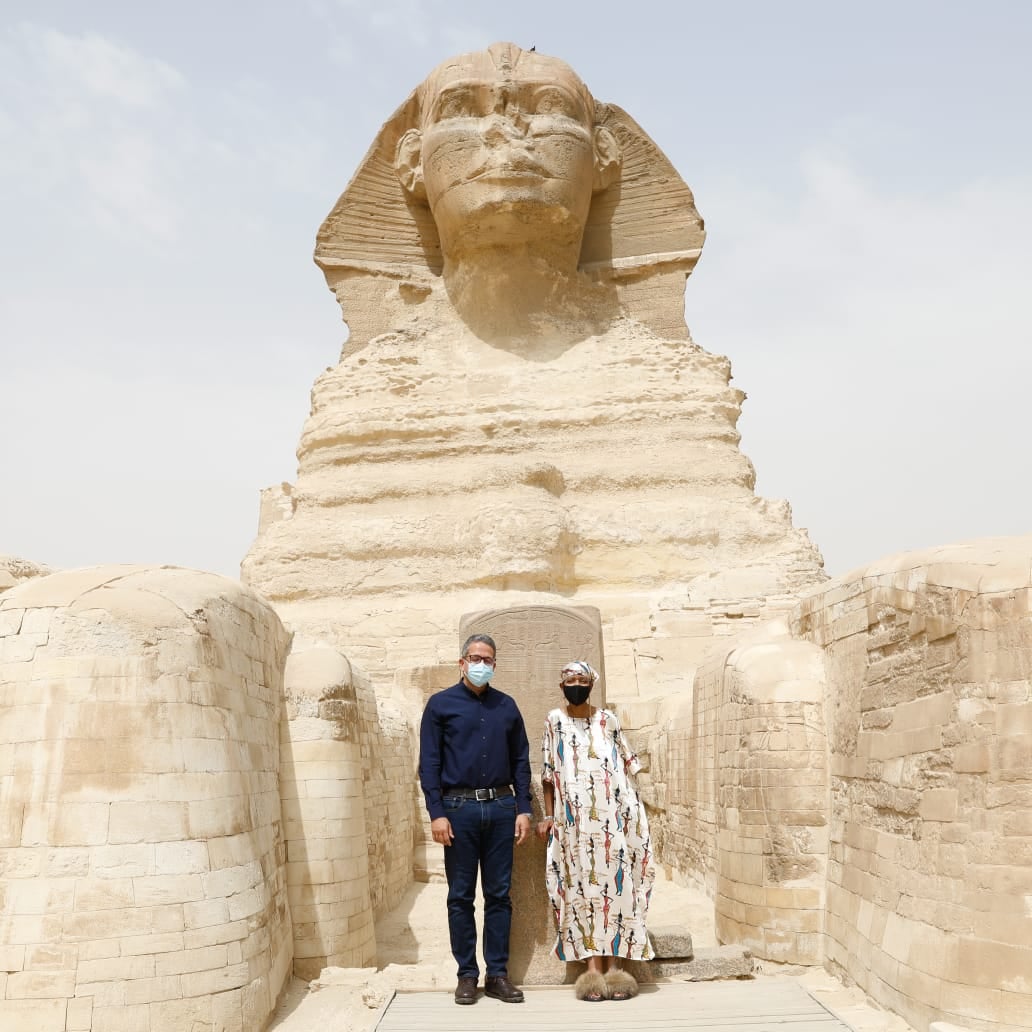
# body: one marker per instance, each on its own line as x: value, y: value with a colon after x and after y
x: 413, y: 953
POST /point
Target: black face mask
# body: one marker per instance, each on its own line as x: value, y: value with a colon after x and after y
x: 576, y: 694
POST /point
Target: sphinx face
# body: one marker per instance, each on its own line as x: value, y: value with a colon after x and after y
x: 508, y: 151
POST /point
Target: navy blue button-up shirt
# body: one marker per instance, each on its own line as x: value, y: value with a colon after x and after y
x: 472, y: 741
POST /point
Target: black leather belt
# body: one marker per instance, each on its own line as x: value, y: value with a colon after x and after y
x: 481, y: 795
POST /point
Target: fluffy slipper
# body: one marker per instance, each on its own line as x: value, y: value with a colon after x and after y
x: 591, y: 987
x: 622, y: 984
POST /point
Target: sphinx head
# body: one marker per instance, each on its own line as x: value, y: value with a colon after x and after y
x: 507, y: 153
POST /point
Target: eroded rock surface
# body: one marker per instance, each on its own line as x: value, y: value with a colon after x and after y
x: 520, y: 412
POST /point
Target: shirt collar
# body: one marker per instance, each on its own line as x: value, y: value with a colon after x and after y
x: 469, y: 691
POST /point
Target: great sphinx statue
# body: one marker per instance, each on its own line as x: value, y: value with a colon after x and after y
x: 519, y: 410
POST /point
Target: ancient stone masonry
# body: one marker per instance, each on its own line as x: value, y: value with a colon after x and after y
x: 347, y: 784
x: 323, y: 791
x: 929, y: 659
x: 853, y: 784
x: 142, y: 866
x: 739, y: 789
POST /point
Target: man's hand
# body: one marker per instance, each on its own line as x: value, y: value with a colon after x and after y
x: 522, y: 829
x: 440, y: 828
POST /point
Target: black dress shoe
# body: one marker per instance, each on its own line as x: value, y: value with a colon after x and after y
x: 502, y: 989
x: 466, y: 990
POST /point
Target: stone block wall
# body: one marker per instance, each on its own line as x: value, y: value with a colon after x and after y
x: 772, y: 802
x: 388, y: 754
x: 853, y: 784
x: 323, y: 796
x: 929, y: 666
x: 141, y: 854
x: 738, y: 787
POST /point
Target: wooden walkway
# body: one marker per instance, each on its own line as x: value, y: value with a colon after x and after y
x: 752, y: 1005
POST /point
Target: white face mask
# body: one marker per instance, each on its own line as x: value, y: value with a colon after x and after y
x: 478, y: 674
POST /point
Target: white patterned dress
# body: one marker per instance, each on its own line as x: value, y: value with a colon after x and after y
x: 599, y: 868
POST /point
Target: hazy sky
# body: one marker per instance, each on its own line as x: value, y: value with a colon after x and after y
x: 865, y: 172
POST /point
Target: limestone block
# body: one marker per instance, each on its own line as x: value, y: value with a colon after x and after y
x: 79, y: 1015
x: 10, y: 621
x: 670, y: 941
x: 623, y: 676
x: 629, y: 627
x: 28, y: 1015
x: 939, y: 804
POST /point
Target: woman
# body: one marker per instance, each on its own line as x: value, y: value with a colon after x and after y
x: 599, y: 869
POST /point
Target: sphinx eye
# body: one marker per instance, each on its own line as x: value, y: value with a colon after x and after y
x: 456, y: 104
x: 551, y: 100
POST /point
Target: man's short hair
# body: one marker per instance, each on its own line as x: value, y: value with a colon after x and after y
x: 485, y: 638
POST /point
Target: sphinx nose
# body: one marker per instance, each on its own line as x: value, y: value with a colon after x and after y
x: 503, y: 128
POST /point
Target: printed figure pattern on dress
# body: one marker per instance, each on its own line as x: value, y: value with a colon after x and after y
x: 599, y: 869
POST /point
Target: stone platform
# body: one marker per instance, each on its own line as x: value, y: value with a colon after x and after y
x: 712, y: 1006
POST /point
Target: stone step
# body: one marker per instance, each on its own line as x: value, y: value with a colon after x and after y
x: 707, y: 964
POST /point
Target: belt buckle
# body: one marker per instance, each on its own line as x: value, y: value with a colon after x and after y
x: 483, y: 795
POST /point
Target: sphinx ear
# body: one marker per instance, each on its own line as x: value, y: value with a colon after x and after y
x: 408, y: 163
x: 607, y: 158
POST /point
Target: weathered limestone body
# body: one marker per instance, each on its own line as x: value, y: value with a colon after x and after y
x: 142, y: 867
x: 520, y: 413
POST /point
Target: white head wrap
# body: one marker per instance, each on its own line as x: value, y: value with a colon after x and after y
x: 579, y: 668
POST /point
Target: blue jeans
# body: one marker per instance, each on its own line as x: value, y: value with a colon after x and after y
x: 483, y: 838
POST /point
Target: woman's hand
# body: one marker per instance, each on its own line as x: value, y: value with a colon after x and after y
x: 544, y: 827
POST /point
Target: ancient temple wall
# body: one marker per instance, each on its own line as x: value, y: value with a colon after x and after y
x: 929, y: 667
x: 349, y: 790
x: 738, y: 786
x: 324, y: 819
x: 680, y: 739
x: 142, y: 867
x: 389, y: 756
x: 771, y: 787
x: 853, y: 785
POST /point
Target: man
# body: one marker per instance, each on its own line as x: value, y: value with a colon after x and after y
x: 474, y: 769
